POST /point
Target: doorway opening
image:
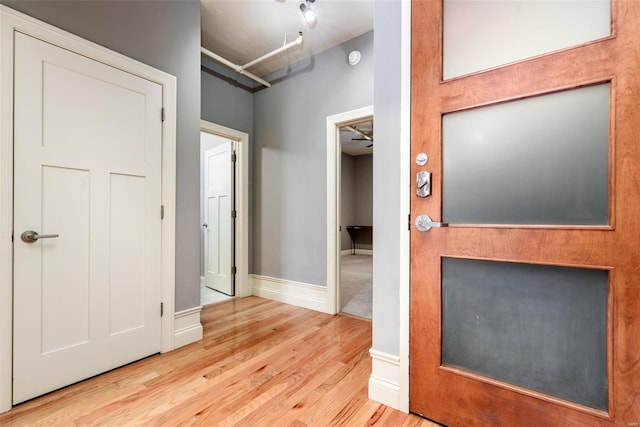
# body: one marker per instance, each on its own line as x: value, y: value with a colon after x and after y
x: 223, y: 213
x: 356, y: 128
x: 356, y: 219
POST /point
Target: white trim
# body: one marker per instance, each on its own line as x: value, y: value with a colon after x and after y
x: 358, y: 252
x: 243, y: 287
x: 305, y: 295
x: 188, y: 328
x: 384, y: 382
x: 333, y: 198
x: 10, y: 22
x: 202, y: 280
x: 405, y: 202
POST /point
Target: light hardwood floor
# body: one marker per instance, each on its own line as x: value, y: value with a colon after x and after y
x: 261, y: 363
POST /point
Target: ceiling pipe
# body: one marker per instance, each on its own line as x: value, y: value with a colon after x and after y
x: 233, y: 66
x: 242, y: 68
x: 359, y: 132
x: 285, y: 47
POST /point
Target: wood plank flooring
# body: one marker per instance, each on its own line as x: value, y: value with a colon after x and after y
x: 261, y: 363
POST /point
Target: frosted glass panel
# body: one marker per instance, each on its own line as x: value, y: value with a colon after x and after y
x: 540, y: 327
x: 541, y: 160
x: 481, y: 34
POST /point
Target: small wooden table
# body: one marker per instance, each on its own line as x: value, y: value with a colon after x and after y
x: 353, y: 231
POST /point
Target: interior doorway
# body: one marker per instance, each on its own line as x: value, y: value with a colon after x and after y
x: 223, y: 213
x: 335, y: 225
x: 356, y: 219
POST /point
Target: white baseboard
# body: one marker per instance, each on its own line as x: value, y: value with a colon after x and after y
x: 299, y: 294
x: 384, y: 382
x: 358, y: 252
x: 187, y: 327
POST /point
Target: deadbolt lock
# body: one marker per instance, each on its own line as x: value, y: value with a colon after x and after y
x: 423, y: 184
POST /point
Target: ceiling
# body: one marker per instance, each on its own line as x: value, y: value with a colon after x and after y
x: 355, y: 144
x: 243, y: 30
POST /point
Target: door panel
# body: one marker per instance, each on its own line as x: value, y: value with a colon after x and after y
x: 539, y: 327
x: 219, y: 244
x: 538, y: 160
x: 491, y: 291
x: 478, y: 35
x: 87, y: 155
x: 65, y: 306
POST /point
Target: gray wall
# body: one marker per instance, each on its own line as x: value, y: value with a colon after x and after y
x: 228, y: 105
x: 356, y: 198
x: 363, y: 189
x: 165, y: 35
x: 347, y: 212
x: 225, y: 104
x: 290, y: 158
x: 386, y: 163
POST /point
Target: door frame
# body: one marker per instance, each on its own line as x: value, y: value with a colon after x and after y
x: 241, y: 195
x: 334, y: 153
x: 12, y: 21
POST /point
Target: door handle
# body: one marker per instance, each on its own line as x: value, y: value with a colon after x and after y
x: 205, y: 225
x: 31, y: 236
x: 424, y: 223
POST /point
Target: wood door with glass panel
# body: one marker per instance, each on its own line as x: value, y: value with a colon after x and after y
x: 525, y: 257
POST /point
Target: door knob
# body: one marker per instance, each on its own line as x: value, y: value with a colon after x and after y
x: 205, y: 225
x: 31, y: 236
x: 424, y: 223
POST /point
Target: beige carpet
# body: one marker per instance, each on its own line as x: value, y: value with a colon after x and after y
x: 356, y: 273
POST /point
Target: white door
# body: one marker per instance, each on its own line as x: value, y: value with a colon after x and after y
x: 87, y: 167
x: 218, y: 218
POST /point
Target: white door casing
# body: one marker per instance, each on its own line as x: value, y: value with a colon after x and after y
x: 13, y: 23
x: 87, y: 165
x: 243, y: 286
x: 334, y: 153
x: 219, y: 230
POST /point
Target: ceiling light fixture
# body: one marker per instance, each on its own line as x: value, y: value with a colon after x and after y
x: 308, y: 13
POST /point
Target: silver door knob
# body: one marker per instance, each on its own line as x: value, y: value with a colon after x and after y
x: 424, y: 223
x: 31, y: 236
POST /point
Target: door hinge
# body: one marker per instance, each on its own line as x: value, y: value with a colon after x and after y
x: 409, y: 222
x: 234, y: 157
x: 162, y: 212
x: 161, y: 309
x: 162, y: 114
x: 234, y: 270
x: 234, y: 213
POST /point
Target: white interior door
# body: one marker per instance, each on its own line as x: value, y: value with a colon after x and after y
x: 88, y: 168
x: 219, y: 220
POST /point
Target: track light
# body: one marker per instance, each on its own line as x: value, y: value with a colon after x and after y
x: 308, y: 13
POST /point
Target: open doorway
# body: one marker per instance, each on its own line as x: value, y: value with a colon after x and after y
x: 334, y: 219
x: 356, y: 219
x: 223, y: 213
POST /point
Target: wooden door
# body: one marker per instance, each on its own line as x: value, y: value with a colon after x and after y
x: 219, y: 230
x: 518, y: 318
x: 88, y: 171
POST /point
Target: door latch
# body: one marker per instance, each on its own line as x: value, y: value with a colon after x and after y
x: 423, y: 184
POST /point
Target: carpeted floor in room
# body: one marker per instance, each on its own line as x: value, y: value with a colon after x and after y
x: 356, y: 274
